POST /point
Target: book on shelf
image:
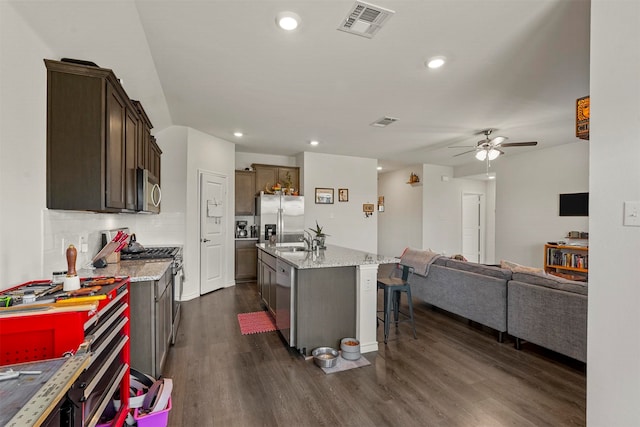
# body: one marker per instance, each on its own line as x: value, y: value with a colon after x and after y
x: 561, y: 258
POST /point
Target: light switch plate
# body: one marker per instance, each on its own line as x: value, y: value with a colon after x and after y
x: 631, y: 214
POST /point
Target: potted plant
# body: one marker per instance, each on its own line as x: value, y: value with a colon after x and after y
x: 320, y: 235
x: 287, y: 184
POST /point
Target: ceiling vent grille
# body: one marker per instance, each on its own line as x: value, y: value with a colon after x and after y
x: 365, y: 19
x: 385, y: 121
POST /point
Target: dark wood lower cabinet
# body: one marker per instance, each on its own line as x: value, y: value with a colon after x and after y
x: 246, y: 260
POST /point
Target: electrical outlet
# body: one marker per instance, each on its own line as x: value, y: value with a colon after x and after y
x: 83, y: 247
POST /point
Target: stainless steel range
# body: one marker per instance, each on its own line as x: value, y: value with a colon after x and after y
x: 160, y: 252
x: 177, y: 270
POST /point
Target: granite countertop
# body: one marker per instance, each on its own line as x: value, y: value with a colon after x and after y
x: 332, y: 256
x: 137, y: 270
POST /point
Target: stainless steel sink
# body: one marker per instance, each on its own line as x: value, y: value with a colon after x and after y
x: 291, y: 249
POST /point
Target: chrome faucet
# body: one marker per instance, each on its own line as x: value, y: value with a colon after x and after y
x: 310, y: 241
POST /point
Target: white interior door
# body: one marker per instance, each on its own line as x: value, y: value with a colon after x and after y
x: 471, y: 227
x: 213, y: 226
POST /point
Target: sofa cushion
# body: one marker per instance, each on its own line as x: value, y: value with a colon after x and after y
x: 476, y: 297
x: 485, y: 270
x: 440, y: 261
x: 553, y: 282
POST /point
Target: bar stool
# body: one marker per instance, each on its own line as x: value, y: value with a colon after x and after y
x: 393, y: 287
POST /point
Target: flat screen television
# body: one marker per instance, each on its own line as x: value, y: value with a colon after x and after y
x: 574, y: 204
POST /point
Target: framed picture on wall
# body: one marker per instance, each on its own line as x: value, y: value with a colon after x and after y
x: 343, y: 194
x: 324, y: 196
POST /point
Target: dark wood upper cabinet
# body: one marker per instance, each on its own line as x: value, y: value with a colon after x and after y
x: 115, y: 145
x: 130, y: 159
x: 94, y: 140
x: 144, y: 136
x: 290, y: 173
x: 155, y: 155
x: 268, y: 175
x: 245, y: 192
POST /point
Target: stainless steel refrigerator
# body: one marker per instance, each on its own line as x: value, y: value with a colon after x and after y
x: 282, y: 216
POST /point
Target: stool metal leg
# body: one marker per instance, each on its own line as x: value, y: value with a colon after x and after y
x: 388, y: 296
x: 396, y: 305
x: 410, y: 302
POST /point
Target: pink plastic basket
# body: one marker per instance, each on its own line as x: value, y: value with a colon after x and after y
x: 155, y: 419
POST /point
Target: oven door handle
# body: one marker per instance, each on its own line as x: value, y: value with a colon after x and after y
x: 179, y: 273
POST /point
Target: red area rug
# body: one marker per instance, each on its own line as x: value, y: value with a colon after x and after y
x: 255, y: 323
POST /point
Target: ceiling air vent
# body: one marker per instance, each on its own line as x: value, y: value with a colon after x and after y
x: 385, y: 121
x: 365, y: 19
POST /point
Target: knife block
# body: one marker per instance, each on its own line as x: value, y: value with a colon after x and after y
x: 114, y: 258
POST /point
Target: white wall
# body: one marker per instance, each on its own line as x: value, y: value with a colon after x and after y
x: 613, y: 369
x: 428, y: 215
x: 442, y: 208
x: 343, y: 221
x: 30, y: 235
x: 400, y: 225
x: 245, y: 160
x: 173, y: 143
x: 22, y: 148
x: 527, y: 189
x: 210, y: 154
x: 490, y: 224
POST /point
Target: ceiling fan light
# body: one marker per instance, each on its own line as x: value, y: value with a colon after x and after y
x: 493, y: 154
x: 288, y: 21
x: 499, y: 139
x: 481, y: 155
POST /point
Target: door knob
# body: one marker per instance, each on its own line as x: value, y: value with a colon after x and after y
x: 203, y: 240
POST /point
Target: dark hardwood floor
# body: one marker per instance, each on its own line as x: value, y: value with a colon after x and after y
x: 454, y: 374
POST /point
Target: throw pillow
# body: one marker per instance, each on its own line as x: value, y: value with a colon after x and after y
x: 517, y: 268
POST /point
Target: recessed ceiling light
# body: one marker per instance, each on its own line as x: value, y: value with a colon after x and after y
x: 314, y: 143
x: 436, y: 62
x: 238, y: 134
x: 288, y: 21
x: 379, y: 168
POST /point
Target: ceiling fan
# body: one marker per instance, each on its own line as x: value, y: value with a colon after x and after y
x: 490, y: 148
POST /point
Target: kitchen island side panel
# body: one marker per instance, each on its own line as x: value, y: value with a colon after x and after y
x: 325, y: 307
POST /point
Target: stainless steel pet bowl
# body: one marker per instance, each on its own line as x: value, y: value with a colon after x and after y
x: 325, y: 357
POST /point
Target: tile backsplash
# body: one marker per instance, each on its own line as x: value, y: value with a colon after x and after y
x: 61, y: 228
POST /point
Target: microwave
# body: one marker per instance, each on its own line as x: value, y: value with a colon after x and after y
x: 149, y: 193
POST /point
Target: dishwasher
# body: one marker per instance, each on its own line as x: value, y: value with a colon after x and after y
x: 285, y: 313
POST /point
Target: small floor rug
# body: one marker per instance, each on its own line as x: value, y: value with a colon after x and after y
x: 345, y: 365
x: 255, y: 323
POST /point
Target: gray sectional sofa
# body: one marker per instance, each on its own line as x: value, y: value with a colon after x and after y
x: 474, y: 291
x: 548, y: 311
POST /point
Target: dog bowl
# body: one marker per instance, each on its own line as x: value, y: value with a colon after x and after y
x: 325, y: 357
x: 350, y: 348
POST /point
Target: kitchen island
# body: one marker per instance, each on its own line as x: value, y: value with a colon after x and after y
x: 319, y: 297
